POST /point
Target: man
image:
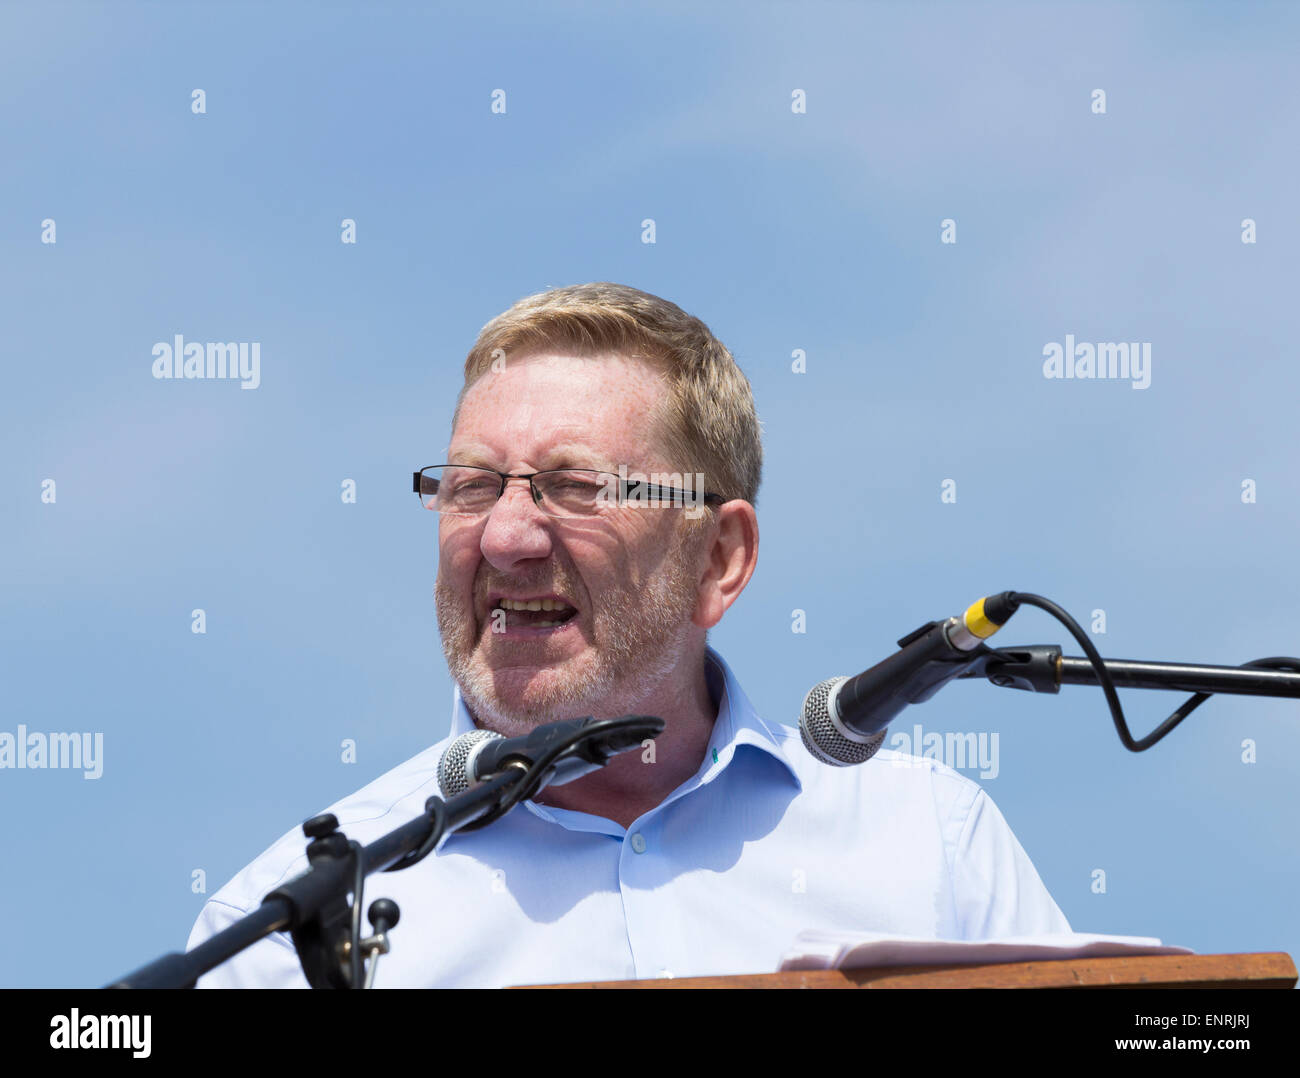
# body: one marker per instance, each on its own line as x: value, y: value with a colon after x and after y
x: 710, y: 852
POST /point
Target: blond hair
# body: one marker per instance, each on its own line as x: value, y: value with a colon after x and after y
x: 708, y: 422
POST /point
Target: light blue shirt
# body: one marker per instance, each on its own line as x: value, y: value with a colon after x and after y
x: 761, y: 843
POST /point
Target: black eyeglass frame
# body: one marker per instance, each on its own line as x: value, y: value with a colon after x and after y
x: 658, y: 493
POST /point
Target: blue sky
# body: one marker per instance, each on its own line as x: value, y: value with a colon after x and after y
x: 817, y: 231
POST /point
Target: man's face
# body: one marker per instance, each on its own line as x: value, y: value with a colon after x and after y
x: 629, y: 573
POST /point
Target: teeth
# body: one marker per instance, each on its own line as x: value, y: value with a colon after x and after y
x: 534, y: 604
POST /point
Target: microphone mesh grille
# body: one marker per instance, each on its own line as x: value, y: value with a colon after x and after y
x: 821, y: 738
x: 452, y: 776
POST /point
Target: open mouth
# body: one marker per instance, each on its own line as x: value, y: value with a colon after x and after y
x: 531, y: 614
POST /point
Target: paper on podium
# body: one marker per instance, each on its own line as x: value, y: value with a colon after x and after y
x: 858, y: 950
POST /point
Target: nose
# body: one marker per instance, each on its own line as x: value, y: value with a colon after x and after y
x: 516, y: 530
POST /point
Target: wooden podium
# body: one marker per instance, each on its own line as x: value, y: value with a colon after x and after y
x: 1273, y: 969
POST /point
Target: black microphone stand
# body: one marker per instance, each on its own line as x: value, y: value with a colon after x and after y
x: 314, y: 907
x: 1042, y: 668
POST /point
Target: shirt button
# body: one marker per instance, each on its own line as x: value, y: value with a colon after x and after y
x: 638, y: 843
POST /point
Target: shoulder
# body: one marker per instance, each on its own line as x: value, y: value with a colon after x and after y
x: 995, y: 889
x: 888, y: 775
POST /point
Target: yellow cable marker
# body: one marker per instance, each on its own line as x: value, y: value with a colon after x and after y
x: 977, y: 622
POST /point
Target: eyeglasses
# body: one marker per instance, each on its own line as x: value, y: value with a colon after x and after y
x: 464, y: 491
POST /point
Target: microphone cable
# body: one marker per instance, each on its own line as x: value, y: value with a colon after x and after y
x: 1018, y: 598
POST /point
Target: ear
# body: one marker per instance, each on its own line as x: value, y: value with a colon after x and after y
x: 731, y: 553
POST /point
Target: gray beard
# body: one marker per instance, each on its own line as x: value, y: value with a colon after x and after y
x: 639, y: 636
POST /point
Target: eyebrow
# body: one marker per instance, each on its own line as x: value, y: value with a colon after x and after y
x: 567, y: 455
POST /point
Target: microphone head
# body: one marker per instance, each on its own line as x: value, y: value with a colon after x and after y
x: 824, y: 738
x: 454, y: 774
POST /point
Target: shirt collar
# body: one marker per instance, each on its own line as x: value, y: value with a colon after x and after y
x: 738, y: 723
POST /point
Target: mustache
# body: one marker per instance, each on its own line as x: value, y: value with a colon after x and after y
x: 558, y: 585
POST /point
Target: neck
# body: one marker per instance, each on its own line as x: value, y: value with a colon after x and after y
x: 635, y: 782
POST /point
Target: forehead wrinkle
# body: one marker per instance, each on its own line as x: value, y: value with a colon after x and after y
x: 620, y: 399
x: 564, y: 455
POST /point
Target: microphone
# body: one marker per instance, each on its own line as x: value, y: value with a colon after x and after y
x: 843, y: 720
x: 480, y: 754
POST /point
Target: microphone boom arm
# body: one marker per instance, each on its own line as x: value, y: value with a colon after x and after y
x: 1042, y: 668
